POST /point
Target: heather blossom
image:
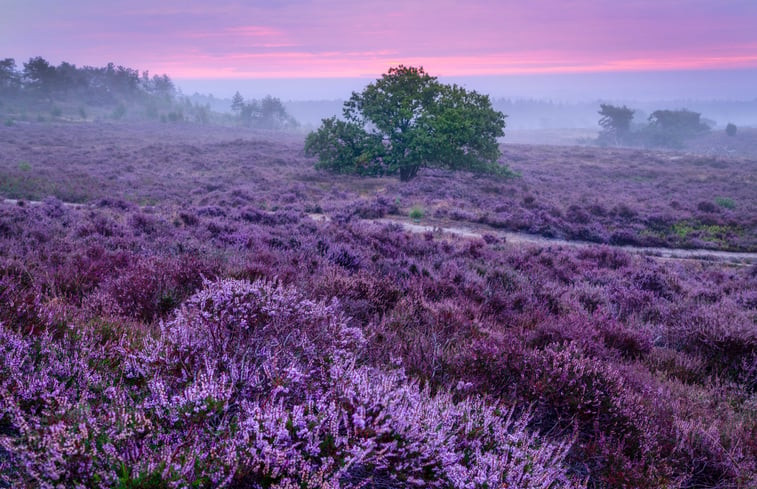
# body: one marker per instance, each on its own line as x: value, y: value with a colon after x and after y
x: 249, y: 382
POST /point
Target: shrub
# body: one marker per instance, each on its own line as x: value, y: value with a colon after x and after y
x: 731, y: 129
x: 725, y: 202
x: 416, y: 213
x: 706, y: 206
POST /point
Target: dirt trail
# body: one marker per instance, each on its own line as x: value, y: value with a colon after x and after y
x: 37, y: 202
x: 733, y: 257
x: 730, y: 257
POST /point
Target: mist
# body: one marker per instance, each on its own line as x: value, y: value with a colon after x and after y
x: 532, y: 102
x: 577, y: 87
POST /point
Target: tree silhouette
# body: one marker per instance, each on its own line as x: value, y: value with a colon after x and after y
x: 9, y: 78
x: 237, y: 102
x: 39, y: 74
x: 615, y: 122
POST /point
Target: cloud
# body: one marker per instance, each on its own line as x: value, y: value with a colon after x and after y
x: 297, y: 38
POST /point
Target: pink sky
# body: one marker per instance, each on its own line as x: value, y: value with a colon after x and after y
x: 353, y: 38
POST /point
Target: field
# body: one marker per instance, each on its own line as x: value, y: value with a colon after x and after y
x: 611, y: 196
x: 196, y: 306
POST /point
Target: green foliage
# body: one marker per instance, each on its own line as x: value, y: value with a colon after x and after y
x: 706, y: 232
x: 407, y: 120
x: 417, y: 213
x: 147, y: 480
x: 344, y: 147
x: 24, y: 166
x: 731, y: 129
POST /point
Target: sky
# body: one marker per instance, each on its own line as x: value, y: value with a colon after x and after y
x: 296, y: 44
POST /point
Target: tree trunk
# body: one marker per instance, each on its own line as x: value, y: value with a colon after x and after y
x: 407, y: 173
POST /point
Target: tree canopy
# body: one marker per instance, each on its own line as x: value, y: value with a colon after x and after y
x: 99, y: 86
x: 664, y: 128
x: 615, y: 122
x: 267, y: 113
x: 407, y: 120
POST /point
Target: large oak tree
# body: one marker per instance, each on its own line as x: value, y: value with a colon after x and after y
x: 407, y: 120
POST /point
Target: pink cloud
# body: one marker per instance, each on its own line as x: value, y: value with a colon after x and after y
x: 298, y: 38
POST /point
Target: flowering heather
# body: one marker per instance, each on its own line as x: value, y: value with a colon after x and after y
x: 225, y: 338
x: 602, y: 195
x: 249, y: 385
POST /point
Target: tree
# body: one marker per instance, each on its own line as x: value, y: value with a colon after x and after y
x: 345, y: 147
x: 237, y: 102
x: 671, y: 127
x: 9, y: 78
x: 39, y: 73
x: 683, y: 120
x: 273, y: 114
x: 615, y: 122
x: 407, y: 120
x: 731, y: 129
x: 268, y: 113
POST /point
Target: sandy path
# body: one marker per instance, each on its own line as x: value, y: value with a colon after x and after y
x: 743, y: 258
x: 37, y: 202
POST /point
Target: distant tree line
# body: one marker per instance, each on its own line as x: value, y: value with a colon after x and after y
x: 267, y: 113
x: 96, y: 86
x: 664, y: 128
x: 40, y: 89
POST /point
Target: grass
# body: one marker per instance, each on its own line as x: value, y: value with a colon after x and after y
x: 725, y: 202
x: 707, y: 232
x: 416, y: 213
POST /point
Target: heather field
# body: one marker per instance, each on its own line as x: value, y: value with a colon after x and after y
x: 602, y: 195
x: 214, y: 312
